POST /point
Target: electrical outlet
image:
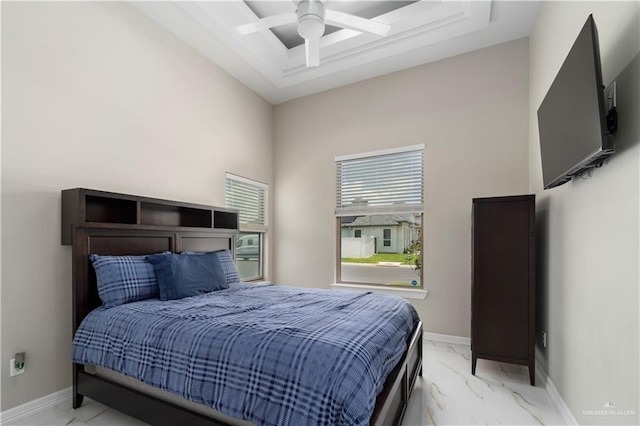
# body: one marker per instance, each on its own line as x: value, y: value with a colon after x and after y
x: 544, y: 339
x: 12, y: 368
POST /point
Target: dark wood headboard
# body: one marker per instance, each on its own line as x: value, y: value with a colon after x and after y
x: 97, y: 222
x: 118, y: 242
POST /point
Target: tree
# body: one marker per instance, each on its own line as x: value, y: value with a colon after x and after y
x: 414, y: 257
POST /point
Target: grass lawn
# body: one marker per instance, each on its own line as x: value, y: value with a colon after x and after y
x: 378, y: 257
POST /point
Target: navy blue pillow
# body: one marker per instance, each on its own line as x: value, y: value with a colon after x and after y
x: 187, y: 274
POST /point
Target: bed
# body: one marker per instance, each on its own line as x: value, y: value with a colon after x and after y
x: 393, y: 388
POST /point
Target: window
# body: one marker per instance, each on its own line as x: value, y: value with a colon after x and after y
x: 386, y: 237
x: 250, y: 198
x: 379, y: 206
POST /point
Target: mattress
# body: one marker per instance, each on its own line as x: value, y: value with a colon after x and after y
x: 270, y: 355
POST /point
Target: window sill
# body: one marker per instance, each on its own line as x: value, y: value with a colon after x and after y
x: 407, y: 293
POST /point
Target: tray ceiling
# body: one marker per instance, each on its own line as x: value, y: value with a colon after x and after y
x: 272, y: 62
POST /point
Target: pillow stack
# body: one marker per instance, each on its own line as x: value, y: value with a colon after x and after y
x: 169, y: 276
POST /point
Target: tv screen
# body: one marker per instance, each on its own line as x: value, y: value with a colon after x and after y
x: 572, y: 116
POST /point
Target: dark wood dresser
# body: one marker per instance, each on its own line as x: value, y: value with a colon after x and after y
x: 503, y: 281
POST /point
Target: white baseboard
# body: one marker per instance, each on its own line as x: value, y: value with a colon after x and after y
x: 446, y: 338
x: 15, y: 414
x: 557, y: 400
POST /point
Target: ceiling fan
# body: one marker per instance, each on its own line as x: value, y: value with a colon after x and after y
x: 311, y: 16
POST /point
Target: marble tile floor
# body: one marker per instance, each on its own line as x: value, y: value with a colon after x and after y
x: 447, y: 394
x: 499, y: 394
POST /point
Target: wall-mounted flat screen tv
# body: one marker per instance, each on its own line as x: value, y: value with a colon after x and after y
x: 572, y: 116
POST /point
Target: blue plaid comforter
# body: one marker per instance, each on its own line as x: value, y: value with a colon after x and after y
x: 272, y: 355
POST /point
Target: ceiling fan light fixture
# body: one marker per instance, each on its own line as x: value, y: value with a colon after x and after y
x: 310, y: 19
x: 311, y: 27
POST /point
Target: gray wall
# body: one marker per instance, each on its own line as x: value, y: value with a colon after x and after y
x: 588, y: 230
x: 470, y: 111
x: 97, y: 95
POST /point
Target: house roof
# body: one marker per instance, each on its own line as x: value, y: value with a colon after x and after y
x: 378, y: 220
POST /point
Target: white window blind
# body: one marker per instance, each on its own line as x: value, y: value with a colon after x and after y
x: 380, y: 182
x: 250, y: 198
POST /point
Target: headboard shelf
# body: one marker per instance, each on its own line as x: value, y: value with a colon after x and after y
x: 170, y: 215
x: 225, y: 220
x: 110, y: 210
x: 100, y: 209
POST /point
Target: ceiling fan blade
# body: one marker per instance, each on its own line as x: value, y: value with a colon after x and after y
x: 353, y: 22
x: 267, y: 22
x: 312, y: 51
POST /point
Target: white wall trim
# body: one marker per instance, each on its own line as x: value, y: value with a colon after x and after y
x: 16, y: 414
x: 555, y: 396
x: 399, y: 150
x: 446, y: 338
x: 407, y: 293
x: 246, y: 180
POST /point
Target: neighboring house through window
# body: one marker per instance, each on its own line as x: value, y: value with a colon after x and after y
x: 379, y: 210
x: 250, y: 198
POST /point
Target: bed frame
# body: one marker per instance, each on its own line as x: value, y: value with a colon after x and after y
x: 135, y: 237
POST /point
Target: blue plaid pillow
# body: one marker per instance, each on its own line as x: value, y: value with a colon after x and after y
x: 226, y: 261
x: 228, y: 266
x: 124, y: 279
